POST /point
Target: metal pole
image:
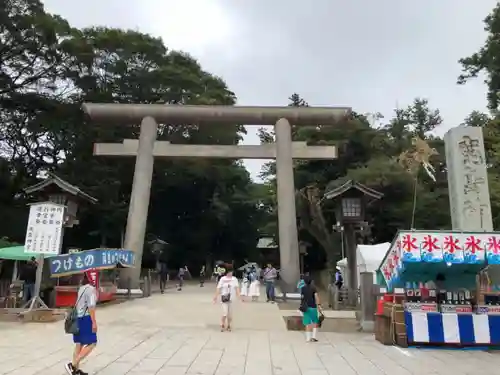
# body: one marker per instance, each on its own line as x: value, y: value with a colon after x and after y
x: 342, y: 241
x: 15, y: 270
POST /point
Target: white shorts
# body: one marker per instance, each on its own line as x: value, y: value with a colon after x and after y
x: 226, y: 309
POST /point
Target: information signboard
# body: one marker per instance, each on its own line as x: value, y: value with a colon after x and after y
x: 88, y: 260
x: 44, y: 232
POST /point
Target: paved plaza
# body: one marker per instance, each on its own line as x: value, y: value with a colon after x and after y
x: 177, y: 333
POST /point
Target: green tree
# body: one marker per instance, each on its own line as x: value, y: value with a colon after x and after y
x: 130, y: 67
x: 486, y: 60
x: 369, y: 155
x: 47, y: 131
x: 31, y: 64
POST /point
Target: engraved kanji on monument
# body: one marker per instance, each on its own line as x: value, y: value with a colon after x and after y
x: 468, y: 179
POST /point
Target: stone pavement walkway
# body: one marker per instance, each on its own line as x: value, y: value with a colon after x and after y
x: 177, y: 333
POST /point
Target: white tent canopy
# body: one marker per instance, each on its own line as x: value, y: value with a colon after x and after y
x: 368, y: 259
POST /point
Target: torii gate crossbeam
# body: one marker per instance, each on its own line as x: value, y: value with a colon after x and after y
x: 130, y: 147
x: 147, y: 148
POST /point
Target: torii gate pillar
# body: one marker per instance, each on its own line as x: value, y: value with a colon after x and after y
x: 149, y: 114
x: 287, y: 217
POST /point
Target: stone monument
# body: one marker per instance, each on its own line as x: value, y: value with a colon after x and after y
x: 468, y: 179
x: 147, y: 148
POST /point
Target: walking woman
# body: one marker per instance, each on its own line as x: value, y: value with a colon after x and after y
x: 254, y: 291
x: 245, y: 285
x: 86, y: 338
x: 227, y: 290
x: 311, y: 309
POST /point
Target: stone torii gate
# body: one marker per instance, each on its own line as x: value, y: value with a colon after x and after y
x: 147, y: 148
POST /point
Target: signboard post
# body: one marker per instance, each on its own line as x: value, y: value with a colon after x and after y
x: 43, y: 237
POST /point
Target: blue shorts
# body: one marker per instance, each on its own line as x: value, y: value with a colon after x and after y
x: 310, y: 316
x: 85, y: 336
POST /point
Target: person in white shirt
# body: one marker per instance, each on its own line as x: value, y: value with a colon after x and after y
x: 254, y: 291
x: 227, y: 289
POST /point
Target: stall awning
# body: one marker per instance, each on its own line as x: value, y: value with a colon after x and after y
x: 16, y: 253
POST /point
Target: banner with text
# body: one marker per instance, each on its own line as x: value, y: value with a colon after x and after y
x: 97, y: 259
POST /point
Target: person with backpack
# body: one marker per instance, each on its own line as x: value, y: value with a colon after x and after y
x: 310, y: 308
x: 84, y: 326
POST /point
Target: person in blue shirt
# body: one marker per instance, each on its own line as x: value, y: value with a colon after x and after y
x: 339, y: 280
x: 301, y: 283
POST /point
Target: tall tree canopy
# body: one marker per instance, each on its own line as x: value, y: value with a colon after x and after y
x: 368, y: 155
x: 205, y: 209
x: 48, y: 68
x: 486, y: 60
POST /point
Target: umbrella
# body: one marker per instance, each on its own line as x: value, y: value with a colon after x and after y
x: 250, y: 265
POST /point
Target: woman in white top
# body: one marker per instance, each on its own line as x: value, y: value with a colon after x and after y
x: 227, y: 290
x: 245, y: 285
x: 254, y: 291
x: 86, y: 338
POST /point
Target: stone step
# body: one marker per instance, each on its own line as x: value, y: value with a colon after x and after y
x: 340, y: 325
x: 335, y: 321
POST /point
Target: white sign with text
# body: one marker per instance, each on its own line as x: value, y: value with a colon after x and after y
x: 44, y: 232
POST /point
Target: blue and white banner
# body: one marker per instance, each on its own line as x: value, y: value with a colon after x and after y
x: 97, y: 259
x: 459, y: 329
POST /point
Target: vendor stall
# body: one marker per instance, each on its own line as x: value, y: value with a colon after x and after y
x: 439, y: 280
x: 100, y: 266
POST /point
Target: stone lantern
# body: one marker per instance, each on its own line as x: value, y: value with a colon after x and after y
x: 158, y: 248
x: 55, y: 189
x: 350, y: 201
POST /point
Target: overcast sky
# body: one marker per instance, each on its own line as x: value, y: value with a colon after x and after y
x: 370, y: 55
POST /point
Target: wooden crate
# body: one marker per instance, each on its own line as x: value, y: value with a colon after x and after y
x: 383, y: 331
x: 391, y: 309
x: 399, y: 325
x: 387, y: 311
x: 402, y: 340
